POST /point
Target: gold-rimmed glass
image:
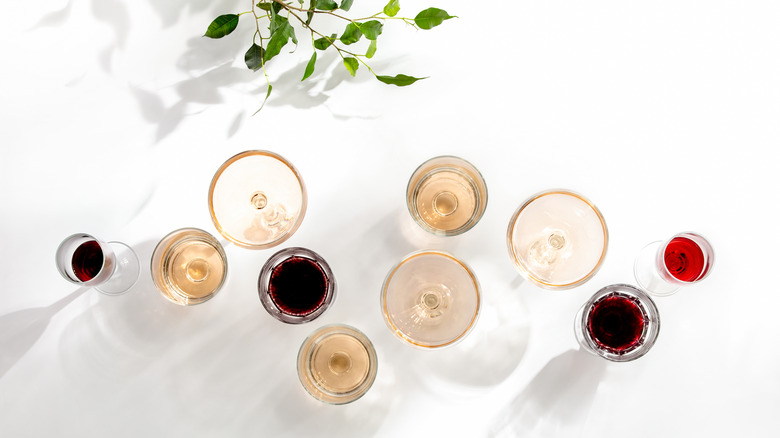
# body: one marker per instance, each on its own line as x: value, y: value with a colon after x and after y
x: 257, y: 199
x: 430, y: 299
x: 557, y: 239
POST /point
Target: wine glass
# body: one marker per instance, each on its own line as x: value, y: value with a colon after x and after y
x: 257, y: 199
x: 189, y: 266
x: 110, y: 267
x: 296, y: 285
x: 446, y: 195
x: 619, y: 323
x: 430, y: 299
x: 661, y: 268
x: 557, y: 239
x: 337, y: 364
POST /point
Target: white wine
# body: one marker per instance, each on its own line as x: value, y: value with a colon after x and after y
x: 337, y: 364
x: 189, y: 266
x: 430, y: 299
x: 446, y: 195
x: 557, y: 239
x: 257, y: 199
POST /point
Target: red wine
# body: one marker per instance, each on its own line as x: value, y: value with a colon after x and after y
x: 684, y: 259
x: 87, y: 260
x: 298, y: 286
x: 616, y: 323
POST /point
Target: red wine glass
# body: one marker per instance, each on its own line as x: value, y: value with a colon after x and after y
x: 296, y: 285
x: 619, y: 323
x: 110, y: 267
x: 661, y: 268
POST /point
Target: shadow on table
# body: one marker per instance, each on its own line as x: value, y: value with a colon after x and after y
x: 557, y: 401
x: 20, y: 330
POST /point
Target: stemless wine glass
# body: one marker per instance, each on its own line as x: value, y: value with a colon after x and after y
x: 296, y: 285
x: 446, y: 195
x: 189, y: 266
x: 337, y: 364
x: 557, y: 239
x: 430, y: 299
x: 112, y: 268
x: 257, y: 199
x: 661, y: 268
x: 619, y: 323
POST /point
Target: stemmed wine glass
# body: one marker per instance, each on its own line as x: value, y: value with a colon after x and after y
x: 446, y: 195
x: 430, y: 299
x: 619, y: 323
x: 110, y: 267
x: 257, y: 199
x: 557, y: 239
x: 337, y: 364
x: 189, y: 266
x: 296, y: 285
x: 661, y: 268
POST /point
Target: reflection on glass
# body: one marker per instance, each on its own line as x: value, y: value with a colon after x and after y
x: 661, y: 268
x: 189, y: 266
x: 430, y: 299
x: 619, y: 323
x: 446, y: 195
x: 296, y: 285
x: 112, y: 267
x: 337, y: 364
x: 257, y: 199
x: 557, y: 239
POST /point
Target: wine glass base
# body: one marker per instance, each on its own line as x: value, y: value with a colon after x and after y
x: 646, y: 272
x: 125, y: 273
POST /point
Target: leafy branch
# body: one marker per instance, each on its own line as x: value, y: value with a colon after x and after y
x: 278, y: 14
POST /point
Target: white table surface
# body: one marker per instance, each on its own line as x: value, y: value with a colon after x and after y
x: 115, y: 116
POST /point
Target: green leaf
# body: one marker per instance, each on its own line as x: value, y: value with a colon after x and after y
x: 264, y: 6
x: 322, y: 43
x: 345, y: 5
x: 351, y: 34
x: 254, y: 57
x: 351, y: 64
x: 371, y: 29
x: 222, y: 25
x: 325, y: 5
x: 371, y: 49
x: 399, y: 80
x: 281, y: 33
x: 431, y: 18
x: 392, y: 8
x: 267, y: 93
x: 310, y: 66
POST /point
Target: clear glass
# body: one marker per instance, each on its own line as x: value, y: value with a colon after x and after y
x: 619, y: 323
x: 110, y: 267
x: 296, y: 285
x: 661, y: 268
x: 337, y: 364
x: 189, y: 266
x: 257, y: 199
x: 557, y: 239
x: 430, y: 299
x: 446, y: 195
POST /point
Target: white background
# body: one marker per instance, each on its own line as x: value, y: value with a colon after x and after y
x: 115, y: 116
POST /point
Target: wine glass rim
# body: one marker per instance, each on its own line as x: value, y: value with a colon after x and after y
x: 160, y: 255
x: 704, y: 245
x: 306, y: 349
x: 479, y: 182
x: 527, y: 272
x: 215, y: 179
x: 105, y: 249
x: 408, y: 258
